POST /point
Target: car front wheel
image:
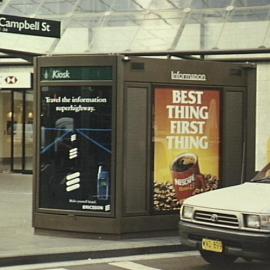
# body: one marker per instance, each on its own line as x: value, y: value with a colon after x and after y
x: 217, y: 259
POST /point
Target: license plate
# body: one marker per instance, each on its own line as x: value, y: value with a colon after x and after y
x: 212, y: 245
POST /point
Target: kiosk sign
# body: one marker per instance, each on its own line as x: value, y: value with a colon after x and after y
x: 76, y: 73
x: 29, y: 26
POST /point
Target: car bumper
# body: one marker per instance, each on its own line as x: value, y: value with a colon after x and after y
x: 237, y: 243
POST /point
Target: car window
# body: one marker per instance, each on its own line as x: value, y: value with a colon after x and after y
x: 263, y: 176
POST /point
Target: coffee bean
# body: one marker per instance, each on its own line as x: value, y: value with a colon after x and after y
x: 165, y: 198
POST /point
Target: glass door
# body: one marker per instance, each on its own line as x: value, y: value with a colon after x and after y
x: 5, y: 130
x: 18, y: 130
x: 28, y: 138
x: 22, y: 134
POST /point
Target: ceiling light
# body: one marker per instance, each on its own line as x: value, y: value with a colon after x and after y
x: 229, y: 8
x: 187, y: 10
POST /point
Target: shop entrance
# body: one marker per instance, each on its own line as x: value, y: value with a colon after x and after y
x: 16, y: 114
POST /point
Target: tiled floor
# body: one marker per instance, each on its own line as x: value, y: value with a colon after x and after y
x: 17, y: 236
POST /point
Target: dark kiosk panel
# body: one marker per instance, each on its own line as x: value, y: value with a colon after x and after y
x: 75, y: 150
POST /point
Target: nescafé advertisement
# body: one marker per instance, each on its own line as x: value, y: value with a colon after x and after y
x: 186, y: 144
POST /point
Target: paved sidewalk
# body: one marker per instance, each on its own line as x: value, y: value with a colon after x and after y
x: 19, y: 243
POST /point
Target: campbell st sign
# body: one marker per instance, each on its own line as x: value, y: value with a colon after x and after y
x: 29, y: 26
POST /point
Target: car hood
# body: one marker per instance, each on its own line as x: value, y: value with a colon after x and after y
x: 248, y: 197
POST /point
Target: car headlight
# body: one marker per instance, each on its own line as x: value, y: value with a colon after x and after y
x: 258, y: 222
x: 265, y: 222
x: 253, y: 221
x: 187, y: 212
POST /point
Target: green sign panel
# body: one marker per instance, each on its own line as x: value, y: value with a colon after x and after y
x: 76, y: 73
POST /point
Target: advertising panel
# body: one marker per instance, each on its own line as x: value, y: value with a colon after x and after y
x: 75, y: 148
x: 186, y: 144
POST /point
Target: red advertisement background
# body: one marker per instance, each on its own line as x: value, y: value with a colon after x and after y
x: 205, y: 129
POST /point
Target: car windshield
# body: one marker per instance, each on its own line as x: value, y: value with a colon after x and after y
x: 263, y: 176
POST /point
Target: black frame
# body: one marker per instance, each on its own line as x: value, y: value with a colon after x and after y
x: 36, y: 186
x: 87, y: 213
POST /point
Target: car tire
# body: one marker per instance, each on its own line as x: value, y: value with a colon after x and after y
x: 217, y: 259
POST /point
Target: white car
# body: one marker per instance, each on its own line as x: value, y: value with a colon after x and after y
x: 230, y: 222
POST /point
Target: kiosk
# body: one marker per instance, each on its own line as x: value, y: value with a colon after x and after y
x: 122, y: 141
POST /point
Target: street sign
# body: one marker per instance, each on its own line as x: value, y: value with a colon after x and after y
x: 29, y: 26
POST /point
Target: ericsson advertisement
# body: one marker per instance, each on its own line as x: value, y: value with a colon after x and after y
x: 186, y: 144
x: 75, y: 150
